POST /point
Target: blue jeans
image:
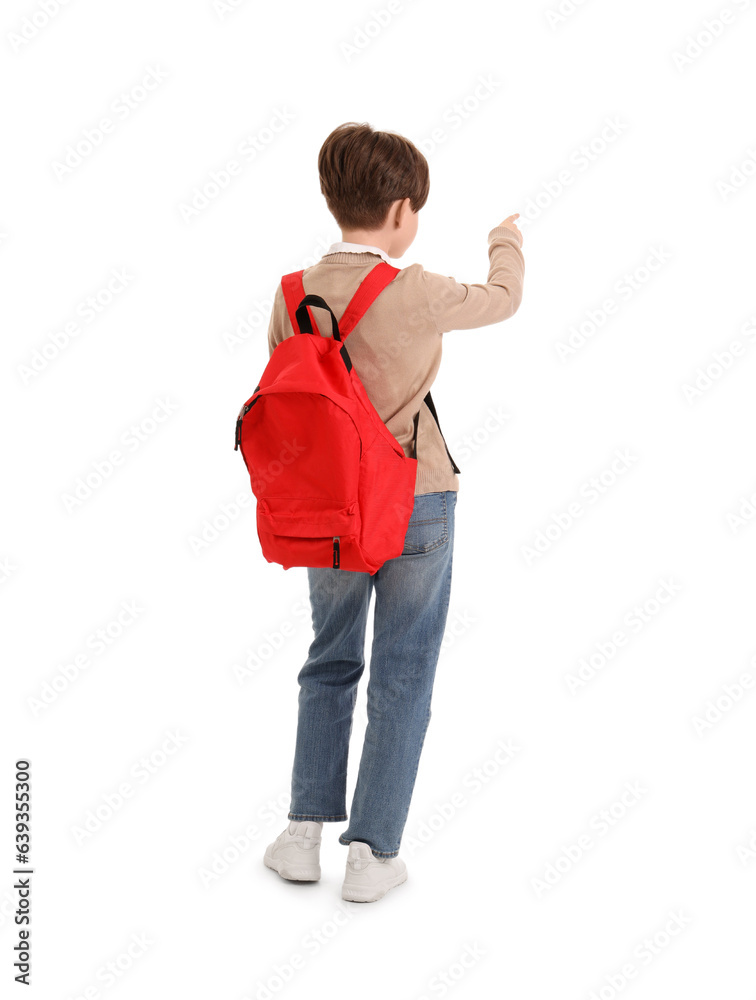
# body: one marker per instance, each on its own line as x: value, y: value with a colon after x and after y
x: 411, y: 606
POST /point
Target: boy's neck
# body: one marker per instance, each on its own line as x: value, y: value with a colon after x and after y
x: 362, y: 238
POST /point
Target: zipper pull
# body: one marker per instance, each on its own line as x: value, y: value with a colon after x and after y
x: 336, y: 552
x: 242, y: 413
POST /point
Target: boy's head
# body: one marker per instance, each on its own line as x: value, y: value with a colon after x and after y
x: 374, y: 184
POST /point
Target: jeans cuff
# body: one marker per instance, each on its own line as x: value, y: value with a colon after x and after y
x: 318, y: 819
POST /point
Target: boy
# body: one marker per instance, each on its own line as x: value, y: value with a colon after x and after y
x: 375, y: 184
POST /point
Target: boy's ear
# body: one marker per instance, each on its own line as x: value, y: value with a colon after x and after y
x: 403, y: 209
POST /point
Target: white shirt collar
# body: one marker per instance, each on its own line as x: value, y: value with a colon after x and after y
x: 356, y: 248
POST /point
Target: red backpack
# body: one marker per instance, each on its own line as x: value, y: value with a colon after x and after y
x: 333, y: 485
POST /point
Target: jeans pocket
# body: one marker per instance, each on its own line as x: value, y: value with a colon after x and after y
x: 428, y: 527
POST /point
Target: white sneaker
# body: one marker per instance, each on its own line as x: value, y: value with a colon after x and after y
x: 295, y: 853
x: 369, y: 878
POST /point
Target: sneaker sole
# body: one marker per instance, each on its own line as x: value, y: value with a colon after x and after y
x: 293, y: 873
x: 356, y: 894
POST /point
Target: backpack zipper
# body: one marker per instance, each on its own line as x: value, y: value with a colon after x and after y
x: 242, y: 414
x: 237, y: 438
x: 336, y: 552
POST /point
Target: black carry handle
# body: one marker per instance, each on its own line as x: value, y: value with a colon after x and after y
x: 303, y: 318
x: 305, y: 326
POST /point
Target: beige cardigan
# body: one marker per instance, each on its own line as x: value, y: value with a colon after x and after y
x: 396, y: 348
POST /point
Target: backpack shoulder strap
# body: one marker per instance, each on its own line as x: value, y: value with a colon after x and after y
x: 369, y: 290
x: 293, y: 291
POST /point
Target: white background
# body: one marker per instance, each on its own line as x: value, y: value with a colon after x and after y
x: 479, y: 855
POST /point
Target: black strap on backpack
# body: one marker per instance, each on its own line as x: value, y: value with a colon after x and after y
x: 429, y: 403
x: 305, y: 326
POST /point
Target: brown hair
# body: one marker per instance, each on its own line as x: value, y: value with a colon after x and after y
x: 363, y: 171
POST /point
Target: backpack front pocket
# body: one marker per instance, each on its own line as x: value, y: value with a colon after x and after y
x: 307, y: 518
x: 306, y: 531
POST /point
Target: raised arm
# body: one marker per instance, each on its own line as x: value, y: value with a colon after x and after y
x: 456, y: 305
